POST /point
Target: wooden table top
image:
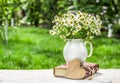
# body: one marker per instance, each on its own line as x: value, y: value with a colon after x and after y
x: 46, y: 76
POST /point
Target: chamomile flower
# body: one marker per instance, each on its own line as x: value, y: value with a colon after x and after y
x: 98, y: 22
x: 71, y: 23
x: 92, y: 30
x: 92, y: 18
x: 52, y: 32
x: 79, y: 13
x: 97, y: 32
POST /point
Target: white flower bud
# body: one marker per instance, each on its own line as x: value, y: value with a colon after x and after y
x: 52, y: 32
x: 62, y: 36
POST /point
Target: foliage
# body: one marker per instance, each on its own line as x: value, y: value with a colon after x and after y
x: 43, y: 11
x: 34, y: 11
x: 34, y: 48
x: 1, y: 34
x: 7, y: 9
x: 76, y: 26
x: 116, y: 28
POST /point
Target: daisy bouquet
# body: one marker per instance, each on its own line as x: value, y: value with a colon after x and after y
x: 76, y: 25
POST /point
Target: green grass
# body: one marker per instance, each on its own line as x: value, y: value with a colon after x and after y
x: 34, y: 48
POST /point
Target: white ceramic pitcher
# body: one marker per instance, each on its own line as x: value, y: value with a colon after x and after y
x: 76, y: 48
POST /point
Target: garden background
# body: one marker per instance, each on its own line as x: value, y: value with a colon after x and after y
x: 25, y: 42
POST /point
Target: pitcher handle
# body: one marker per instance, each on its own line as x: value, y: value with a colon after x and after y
x: 91, y: 48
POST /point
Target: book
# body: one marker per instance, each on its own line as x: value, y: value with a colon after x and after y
x: 75, y: 70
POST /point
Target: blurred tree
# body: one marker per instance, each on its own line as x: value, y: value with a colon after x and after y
x: 6, y: 8
x: 34, y: 9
